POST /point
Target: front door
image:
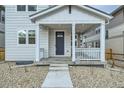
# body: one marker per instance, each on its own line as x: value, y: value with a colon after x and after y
x: 59, y: 43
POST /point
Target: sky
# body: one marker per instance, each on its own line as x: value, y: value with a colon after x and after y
x: 106, y: 8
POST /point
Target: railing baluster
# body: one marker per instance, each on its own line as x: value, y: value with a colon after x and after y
x: 88, y: 53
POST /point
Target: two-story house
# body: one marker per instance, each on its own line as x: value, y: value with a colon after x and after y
x: 34, y: 32
x: 115, y: 30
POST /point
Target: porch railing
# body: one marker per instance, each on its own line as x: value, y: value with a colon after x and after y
x: 87, y: 53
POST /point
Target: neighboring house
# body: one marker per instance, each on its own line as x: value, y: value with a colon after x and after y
x: 115, y: 31
x: 91, y: 38
x: 2, y: 27
x: 36, y: 32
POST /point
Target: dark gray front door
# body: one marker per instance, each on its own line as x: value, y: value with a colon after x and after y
x: 59, y: 43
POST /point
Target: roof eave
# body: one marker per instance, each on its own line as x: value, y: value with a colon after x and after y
x: 56, y: 7
x: 44, y: 12
x: 107, y: 16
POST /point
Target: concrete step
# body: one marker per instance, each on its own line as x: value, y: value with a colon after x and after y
x: 58, y: 65
x: 58, y: 68
x: 57, y: 62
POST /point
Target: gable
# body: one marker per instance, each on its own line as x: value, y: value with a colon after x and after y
x: 62, y: 14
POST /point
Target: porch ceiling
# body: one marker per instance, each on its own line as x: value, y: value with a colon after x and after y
x: 79, y: 27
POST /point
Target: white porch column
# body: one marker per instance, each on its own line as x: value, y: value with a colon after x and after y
x: 73, y: 42
x: 102, y: 42
x: 37, y: 45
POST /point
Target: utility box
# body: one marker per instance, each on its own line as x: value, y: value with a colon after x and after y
x: 41, y: 53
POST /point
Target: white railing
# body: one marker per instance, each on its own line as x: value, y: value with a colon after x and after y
x: 87, y: 53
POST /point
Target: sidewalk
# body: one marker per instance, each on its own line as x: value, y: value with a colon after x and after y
x: 58, y: 77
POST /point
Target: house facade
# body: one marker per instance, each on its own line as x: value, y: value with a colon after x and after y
x: 34, y: 32
x: 115, y: 30
x: 2, y: 27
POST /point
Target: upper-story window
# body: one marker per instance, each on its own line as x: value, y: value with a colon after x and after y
x: 32, y: 8
x: 21, y: 7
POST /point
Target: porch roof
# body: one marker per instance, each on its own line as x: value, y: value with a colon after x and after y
x: 86, y: 7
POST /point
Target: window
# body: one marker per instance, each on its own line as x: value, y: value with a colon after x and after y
x: 3, y: 19
x: 2, y: 16
x: 31, y: 37
x: 22, y: 37
x: 98, y: 31
x: 21, y: 7
x: 32, y: 8
x: 26, y: 37
x: 106, y: 34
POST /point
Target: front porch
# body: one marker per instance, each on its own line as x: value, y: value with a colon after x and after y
x: 82, y: 43
x: 81, y: 37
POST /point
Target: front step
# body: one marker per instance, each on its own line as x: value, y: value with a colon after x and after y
x: 56, y: 62
x: 58, y: 67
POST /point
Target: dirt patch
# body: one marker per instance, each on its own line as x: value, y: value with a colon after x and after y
x: 24, y: 77
x: 96, y: 77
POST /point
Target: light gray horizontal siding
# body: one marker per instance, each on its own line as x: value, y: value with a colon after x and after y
x: 16, y: 21
x: 44, y: 41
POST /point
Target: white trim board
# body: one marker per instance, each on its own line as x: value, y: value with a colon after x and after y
x: 37, y: 14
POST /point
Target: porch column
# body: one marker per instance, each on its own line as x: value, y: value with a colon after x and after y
x: 102, y: 42
x: 37, y: 45
x: 73, y: 42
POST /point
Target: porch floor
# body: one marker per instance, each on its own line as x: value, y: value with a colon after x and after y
x: 68, y: 60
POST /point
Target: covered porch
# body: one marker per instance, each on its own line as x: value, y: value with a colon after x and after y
x: 82, y: 43
x: 82, y: 36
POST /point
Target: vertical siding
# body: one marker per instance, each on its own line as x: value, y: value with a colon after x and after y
x: 16, y: 21
x: 44, y: 41
x: 51, y: 43
x: 116, y: 43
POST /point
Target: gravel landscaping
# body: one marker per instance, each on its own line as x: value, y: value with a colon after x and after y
x: 96, y: 77
x: 21, y: 77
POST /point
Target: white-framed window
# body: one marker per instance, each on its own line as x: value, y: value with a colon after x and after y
x: 32, y: 7
x: 31, y: 36
x: 2, y: 16
x: 22, y: 37
x: 21, y: 7
x: 26, y: 37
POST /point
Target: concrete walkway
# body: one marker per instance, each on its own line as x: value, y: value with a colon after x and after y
x: 58, y: 77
